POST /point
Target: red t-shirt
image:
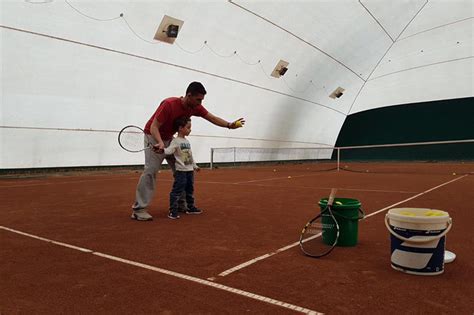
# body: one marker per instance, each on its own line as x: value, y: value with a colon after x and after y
x: 170, y: 109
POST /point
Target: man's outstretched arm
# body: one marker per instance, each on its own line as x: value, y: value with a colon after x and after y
x: 224, y: 123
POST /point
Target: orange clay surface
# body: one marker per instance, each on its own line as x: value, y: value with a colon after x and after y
x: 248, y: 212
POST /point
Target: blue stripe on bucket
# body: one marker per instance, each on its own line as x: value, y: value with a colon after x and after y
x: 410, y: 255
x: 409, y: 233
x: 415, y: 249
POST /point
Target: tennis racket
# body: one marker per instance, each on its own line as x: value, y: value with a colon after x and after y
x: 320, y: 234
x: 132, y: 139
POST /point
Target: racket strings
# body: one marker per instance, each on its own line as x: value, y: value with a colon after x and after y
x: 320, y: 235
x: 132, y: 139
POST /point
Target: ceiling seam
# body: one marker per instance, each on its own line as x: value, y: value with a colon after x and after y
x: 422, y: 66
x: 378, y: 63
x: 169, y: 64
x: 403, y: 30
x: 117, y: 131
x: 235, y: 53
x: 368, y: 11
x: 295, y: 36
x: 436, y: 27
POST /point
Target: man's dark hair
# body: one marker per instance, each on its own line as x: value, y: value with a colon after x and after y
x: 180, y: 122
x: 196, y: 88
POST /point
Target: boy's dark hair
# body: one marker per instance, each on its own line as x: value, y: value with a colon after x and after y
x: 180, y: 122
x: 196, y: 88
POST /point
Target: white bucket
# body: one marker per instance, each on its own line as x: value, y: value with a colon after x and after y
x: 418, y: 238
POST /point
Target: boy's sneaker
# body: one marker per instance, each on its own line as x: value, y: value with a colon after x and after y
x: 194, y: 211
x: 141, y: 215
x: 183, y: 209
x: 173, y: 215
x: 182, y: 206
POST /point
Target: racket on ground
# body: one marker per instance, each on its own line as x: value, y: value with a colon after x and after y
x: 132, y: 139
x: 320, y: 234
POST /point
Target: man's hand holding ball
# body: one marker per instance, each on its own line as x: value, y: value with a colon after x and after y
x: 236, y: 124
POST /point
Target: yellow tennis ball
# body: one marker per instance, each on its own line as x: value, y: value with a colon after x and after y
x: 237, y: 123
x: 433, y: 213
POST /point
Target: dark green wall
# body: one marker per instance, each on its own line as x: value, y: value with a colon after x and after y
x: 418, y: 122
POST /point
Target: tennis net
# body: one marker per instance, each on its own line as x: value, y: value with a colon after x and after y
x: 366, y: 158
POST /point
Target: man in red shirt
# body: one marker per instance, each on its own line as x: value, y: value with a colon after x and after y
x: 159, y: 132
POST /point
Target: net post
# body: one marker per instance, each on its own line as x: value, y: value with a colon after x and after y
x: 234, y: 155
x: 338, y: 158
x: 212, y: 158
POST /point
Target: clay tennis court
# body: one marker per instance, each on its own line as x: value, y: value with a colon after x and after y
x: 68, y: 244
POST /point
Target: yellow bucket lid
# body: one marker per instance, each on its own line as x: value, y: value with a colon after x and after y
x: 427, y: 213
x: 418, y: 215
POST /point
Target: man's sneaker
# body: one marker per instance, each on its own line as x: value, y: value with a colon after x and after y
x: 194, y: 211
x: 173, y: 215
x: 141, y: 215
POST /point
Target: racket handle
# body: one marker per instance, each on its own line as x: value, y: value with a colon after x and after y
x: 332, y: 196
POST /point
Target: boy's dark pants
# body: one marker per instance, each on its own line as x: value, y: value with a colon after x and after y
x: 183, y: 181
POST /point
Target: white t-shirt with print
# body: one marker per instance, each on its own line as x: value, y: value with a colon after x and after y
x: 181, y: 148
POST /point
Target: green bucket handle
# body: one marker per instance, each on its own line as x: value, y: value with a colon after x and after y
x: 360, y: 215
x: 419, y: 240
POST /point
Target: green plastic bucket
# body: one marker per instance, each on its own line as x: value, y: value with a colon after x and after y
x: 347, y: 212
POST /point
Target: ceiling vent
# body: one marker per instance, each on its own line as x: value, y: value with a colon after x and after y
x: 168, y: 29
x: 337, y: 93
x: 280, y: 69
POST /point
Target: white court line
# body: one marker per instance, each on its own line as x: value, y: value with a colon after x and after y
x: 203, y: 182
x: 309, y: 187
x: 416, y: 196
x: 254, y: 296
x: 273, y: 178
x: 340, y: 188
x: 250, y: 262
x: 62, y: 182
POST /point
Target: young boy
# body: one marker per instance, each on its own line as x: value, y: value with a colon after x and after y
x: 185, y: 166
